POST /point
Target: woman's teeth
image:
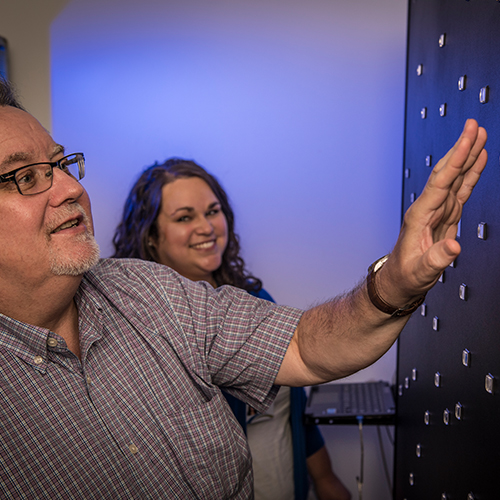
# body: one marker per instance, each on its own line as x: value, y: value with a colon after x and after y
x: 208, y: 244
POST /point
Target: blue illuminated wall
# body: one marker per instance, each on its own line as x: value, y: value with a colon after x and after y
x: 296, y: 106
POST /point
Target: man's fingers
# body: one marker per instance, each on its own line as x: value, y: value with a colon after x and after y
x: 470, y: 131
x: 476, y: 149
x: 477, y: 137
x: 480, y: 141
x: 445, y: 177
x: 472, y: 177
x: 460, y: 169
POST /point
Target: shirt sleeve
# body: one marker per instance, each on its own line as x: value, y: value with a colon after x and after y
x: 223, y: 338
x: 245, y: 340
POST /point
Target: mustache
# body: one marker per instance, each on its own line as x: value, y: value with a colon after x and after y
x: 65, y: 213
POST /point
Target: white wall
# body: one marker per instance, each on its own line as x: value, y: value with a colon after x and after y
x: 297, y: 106
x: 26, y: 26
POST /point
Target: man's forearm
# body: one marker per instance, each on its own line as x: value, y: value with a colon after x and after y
x: 338, y: 338
x: 349, y: 333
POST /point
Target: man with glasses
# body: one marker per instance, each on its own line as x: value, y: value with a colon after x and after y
x: 111, y: 369
x: 37, y: 177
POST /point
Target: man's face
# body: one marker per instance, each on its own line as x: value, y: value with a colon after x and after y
x: 45, y: 234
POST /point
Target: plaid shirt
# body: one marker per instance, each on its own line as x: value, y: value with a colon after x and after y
x: 142, y: 415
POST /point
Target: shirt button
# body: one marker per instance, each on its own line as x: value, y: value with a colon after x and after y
x: 133, y: 449
x: 89, y: 380
x: 52, y: 342
x: 38, y: 360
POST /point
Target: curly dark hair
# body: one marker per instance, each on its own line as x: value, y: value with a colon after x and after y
x: 143, y: 205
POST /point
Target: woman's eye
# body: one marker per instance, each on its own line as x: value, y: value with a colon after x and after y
x: 214, y: 211
x: 184, y: 218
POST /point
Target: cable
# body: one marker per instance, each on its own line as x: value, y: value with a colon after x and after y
x: 359, y: 479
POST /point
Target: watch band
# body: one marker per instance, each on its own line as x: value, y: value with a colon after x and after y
x: 378, y: 301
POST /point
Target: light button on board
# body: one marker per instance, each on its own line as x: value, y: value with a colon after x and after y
x: 489, y: 383
x: 481, y: 230
x: 461, y: 83
x: 446, y: 416
x: 466, y: 357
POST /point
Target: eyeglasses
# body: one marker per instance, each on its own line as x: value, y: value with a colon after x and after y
x: 37, y: 177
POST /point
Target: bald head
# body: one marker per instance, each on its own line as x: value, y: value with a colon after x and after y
x: 23, y: 140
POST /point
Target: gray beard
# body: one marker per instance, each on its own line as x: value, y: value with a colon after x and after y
x: 76, y: 265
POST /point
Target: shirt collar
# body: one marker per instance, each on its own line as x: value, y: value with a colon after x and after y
x: 30, y: 343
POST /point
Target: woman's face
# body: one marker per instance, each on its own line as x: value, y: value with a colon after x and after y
x: 192, y: 229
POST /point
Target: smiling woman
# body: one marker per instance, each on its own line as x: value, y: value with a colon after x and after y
x: 177, y: 214
x: 192, y: 229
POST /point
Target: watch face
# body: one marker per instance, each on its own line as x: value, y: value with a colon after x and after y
x: 379, y: 263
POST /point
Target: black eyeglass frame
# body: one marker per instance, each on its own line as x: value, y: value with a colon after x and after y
x: 11, y: 176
